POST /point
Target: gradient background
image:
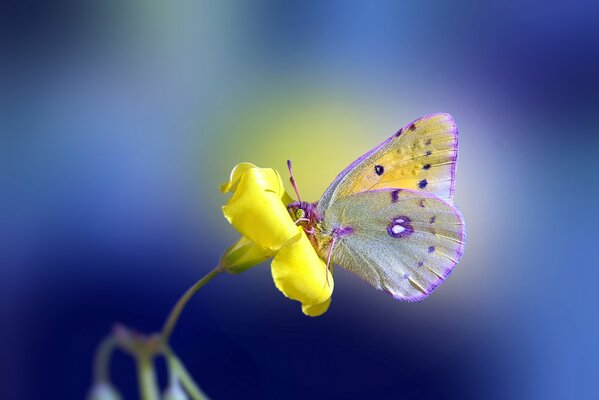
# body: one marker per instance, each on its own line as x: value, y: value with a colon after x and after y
x: 119, y: 120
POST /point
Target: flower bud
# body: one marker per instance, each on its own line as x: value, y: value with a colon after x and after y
x: 243, y: 255
x: 174, y: 392
x: 103, y: 391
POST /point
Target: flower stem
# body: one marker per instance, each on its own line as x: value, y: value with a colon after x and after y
x: 146, y: 376
x: 102, y: 359
x: 173, y: 317
x: 179, y: 371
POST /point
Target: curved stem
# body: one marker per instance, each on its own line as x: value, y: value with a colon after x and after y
x: 148, y: 388
x: 102, y: 359
x: 173, y: 317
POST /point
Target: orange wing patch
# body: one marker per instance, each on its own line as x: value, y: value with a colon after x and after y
x: 421, y: 156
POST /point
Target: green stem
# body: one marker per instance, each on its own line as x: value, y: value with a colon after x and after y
x: 173, y: 317
x: 102, y: 359
x: 176, y: 367
x: 146, y: 376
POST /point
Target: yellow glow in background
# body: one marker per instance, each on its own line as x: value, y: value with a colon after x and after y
x: 322, y: 133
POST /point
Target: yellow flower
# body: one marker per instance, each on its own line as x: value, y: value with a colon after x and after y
x: 258, y: 211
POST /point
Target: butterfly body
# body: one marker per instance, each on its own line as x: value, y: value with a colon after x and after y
x: 389, y: 217
x: 307, y: 216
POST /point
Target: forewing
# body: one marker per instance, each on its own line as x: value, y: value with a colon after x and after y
x: 421, y: 156
x: 404, y: 242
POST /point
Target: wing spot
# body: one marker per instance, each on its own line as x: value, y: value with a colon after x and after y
x: 397, y: 229
x: 426, y: 166
x: 431, y: 249
x: 432, y: 220
x: 398, y: 132
x: 420, y: 263
x: 421, y: 204
x: 412, y: 127
x: 379, y: 169
x: 395, y: 196
x: 343, y: 231
x: 422, y: 184
x: 428, y: 141
x: 428, y: 152
x: 400, y: 227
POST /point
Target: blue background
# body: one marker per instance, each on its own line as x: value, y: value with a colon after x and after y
x: 119, y: 120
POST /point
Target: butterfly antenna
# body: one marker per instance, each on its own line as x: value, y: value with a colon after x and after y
x: 292, y: 180
x: 329, y: 259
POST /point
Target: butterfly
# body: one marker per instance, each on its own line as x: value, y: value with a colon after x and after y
x: 389, y: 216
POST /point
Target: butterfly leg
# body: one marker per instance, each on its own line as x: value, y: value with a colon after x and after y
x: 308, y: 231
x: 329, y: 258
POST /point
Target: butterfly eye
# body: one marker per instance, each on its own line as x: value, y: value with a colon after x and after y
x: 300, y: 213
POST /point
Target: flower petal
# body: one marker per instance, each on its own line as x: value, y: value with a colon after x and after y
x: 235, y: 177
x: 256, y: 209
x: 243, y: 255
x: 299, y: 273
x: 316, y: 310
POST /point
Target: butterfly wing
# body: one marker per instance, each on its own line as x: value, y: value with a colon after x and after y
x: 401, y: 241
x: 420, y: 156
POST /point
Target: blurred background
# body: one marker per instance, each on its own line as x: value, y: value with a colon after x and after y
x: 118, y: 121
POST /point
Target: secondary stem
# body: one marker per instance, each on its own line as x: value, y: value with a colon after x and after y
x: 148, y: 388
x: 180, y: 372
x: 145, y: 348
x: 102, y: 359
x: 173, y: 317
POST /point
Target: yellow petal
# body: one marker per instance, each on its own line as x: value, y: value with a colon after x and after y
x: 300, y: 274
x: 236, y: 174
x: 256, y: 209
x: 316, y: 310
x: 243, y: 255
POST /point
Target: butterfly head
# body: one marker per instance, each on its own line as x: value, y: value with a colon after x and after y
x: 305, y: 214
